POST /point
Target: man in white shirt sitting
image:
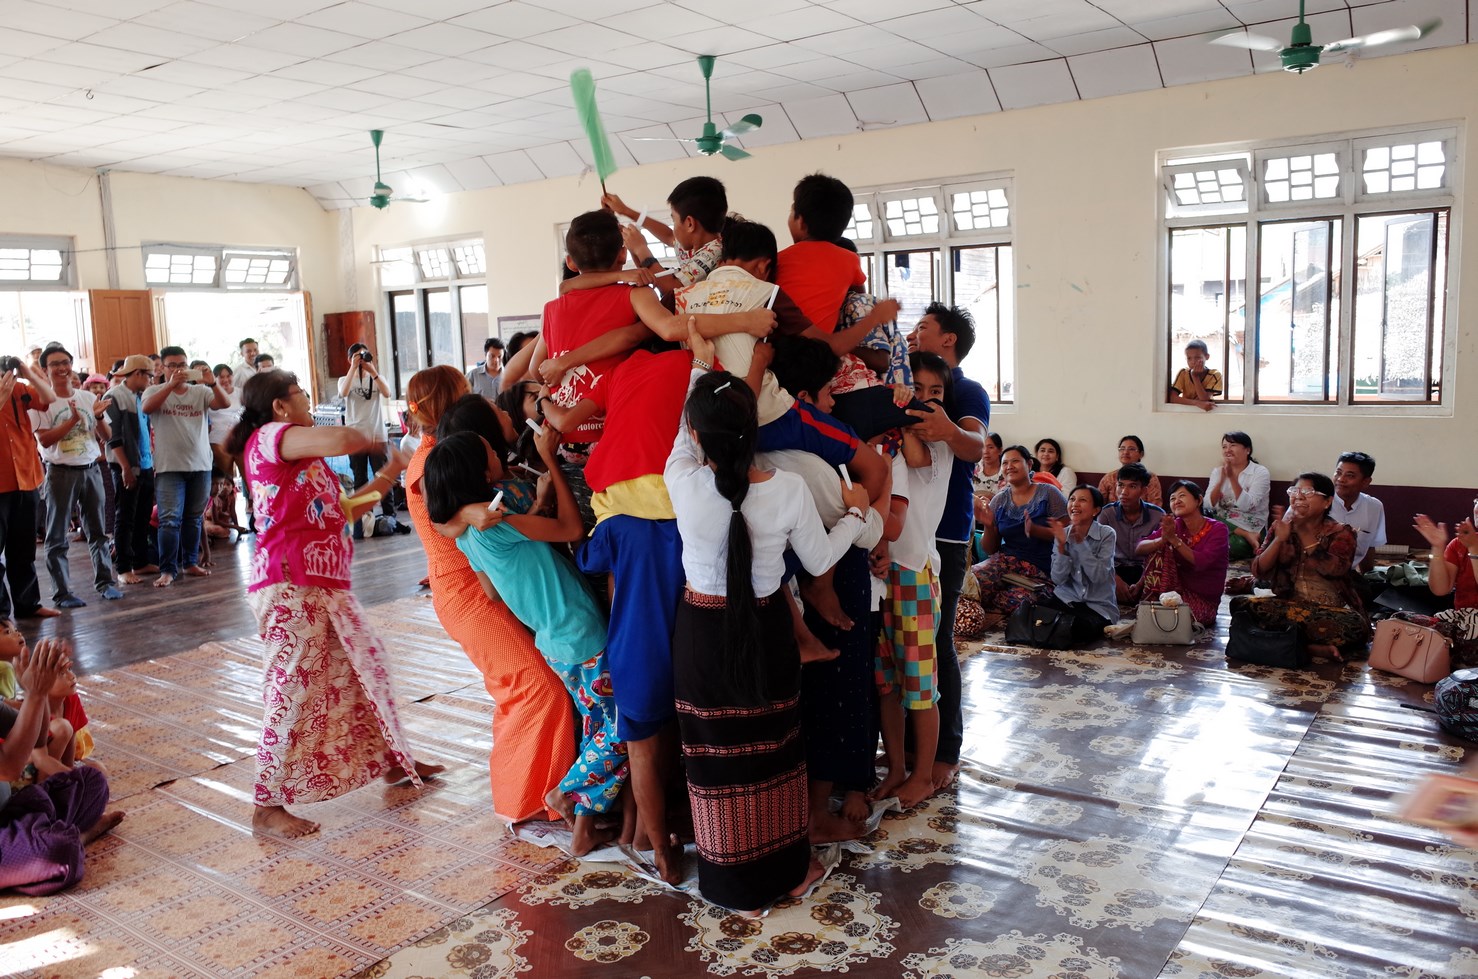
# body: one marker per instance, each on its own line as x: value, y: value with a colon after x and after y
x: 1354, y: 507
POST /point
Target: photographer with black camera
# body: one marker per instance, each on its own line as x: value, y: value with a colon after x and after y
x: 362, y: 389
x: 22, y: 388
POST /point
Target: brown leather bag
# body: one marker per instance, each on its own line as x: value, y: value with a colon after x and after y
x: 1410, y: 650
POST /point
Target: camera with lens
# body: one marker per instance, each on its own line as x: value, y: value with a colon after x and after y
x: 366, y: 357
x: 8, y: 364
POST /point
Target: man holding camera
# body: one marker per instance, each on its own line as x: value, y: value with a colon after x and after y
x: 177, y: 414
x: 362, y: 390
x: 22, y: 388
x: 68, y: 430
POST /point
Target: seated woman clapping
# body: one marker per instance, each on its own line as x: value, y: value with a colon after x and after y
x: 1238, y: 494
x: 1308, y: 561
x: 1454, y: 562
x: 1016, y: 531
x: 1187, y: 554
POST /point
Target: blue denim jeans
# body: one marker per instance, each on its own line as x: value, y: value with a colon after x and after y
x: 181, y: 497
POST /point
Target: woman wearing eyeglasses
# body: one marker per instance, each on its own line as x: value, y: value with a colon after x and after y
x: 330, y: 724
x: 1308, y: 560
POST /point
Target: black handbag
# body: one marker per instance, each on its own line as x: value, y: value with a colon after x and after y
x: 1249, y: 642
x: 1040, y: 625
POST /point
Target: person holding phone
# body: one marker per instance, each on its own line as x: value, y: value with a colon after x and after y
x: 362, y: 390
x: 67, y: 431
x: 177, y: 414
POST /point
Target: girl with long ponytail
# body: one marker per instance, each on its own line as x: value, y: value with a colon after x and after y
x: 736, y: 668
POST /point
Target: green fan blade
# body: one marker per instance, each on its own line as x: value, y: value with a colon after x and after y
x: 582, y: 88
x: 731, y: 152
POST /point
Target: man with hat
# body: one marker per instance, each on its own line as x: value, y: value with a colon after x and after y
x: 132, y: 464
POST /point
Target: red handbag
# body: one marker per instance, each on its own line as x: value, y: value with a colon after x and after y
x: 1413, y: 651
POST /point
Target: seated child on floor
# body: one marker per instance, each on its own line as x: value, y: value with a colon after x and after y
x: 220, y: 511
x: 906, y: 654
x: 68, y: 741
x: 515, y: 562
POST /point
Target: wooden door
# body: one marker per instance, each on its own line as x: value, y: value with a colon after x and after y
x: 122, y: 324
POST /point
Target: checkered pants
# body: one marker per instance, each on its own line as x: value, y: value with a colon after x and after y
x: 905, y: 656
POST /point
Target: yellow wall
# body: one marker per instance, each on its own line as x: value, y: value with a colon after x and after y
x: 49, y: 200
x: 1085, y: 215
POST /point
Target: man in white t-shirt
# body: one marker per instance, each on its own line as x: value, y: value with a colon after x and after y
x: 177, y: 415
x: 1355, y: 508
x: 363, y: 390
x: 67, y: 431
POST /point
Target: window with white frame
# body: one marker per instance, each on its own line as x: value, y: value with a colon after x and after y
x: 435, y: 294
x: 1347, y: 243
x: 35, y: 262
x: 950, y: 243
x: 222, y: 267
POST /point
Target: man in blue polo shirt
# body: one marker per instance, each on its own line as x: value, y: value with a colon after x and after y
x: 950, y: 332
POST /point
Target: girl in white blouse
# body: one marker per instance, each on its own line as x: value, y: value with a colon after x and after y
x: 736, y: 668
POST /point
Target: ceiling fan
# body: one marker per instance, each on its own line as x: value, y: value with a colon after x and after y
x: 1301, y: 54
x: 383, y: 196
x: 713, y: 140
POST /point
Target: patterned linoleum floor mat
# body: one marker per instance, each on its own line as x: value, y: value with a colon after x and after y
x: 183, y: 888
x: 1123, y: 812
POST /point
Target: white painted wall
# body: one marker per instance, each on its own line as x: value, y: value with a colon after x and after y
x: 1085, y: 214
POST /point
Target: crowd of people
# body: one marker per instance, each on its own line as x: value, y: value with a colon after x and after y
x: 713, y: 520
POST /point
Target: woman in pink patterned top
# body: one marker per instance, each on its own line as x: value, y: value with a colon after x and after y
x: 330, y: 722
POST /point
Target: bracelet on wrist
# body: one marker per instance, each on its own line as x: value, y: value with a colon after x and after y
x: 702, y: 363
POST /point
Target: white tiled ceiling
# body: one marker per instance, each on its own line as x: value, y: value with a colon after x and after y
x: 475, y: 94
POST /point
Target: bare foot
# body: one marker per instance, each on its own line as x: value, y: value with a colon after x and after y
x: 164, y: 581
x: 1325, y: 649
x: 129, y: 578
x: 855, y: 807
x: 277, y: 821
x: 561, y: 804
x: 196, y: 571
x: 832, y: 828
x: 813, y: 650
x: 944, y: 774
x: 888, y: 787
x: 669, y: 861
x: 813, y: 874
x: 105, y: 824
x: 423, y: 772
x: 148, y: 569
x: 915, y: 789
x: 588, y: 835
x: 42, y: 613
x: 823, y: 598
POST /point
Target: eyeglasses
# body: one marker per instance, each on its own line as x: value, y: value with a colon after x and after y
x: 1296, y: 492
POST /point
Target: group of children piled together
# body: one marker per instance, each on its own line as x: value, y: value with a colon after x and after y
x: 780, y: 443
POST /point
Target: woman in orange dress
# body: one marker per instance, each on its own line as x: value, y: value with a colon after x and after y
x: 533, y: 724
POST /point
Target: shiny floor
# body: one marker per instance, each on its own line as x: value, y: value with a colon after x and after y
x: 1123, y: 812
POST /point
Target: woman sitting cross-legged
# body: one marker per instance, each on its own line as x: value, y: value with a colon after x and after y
x: 1187, y: 555
x: 1083, y: 566
x: 1016, y: 531
x: 1308, y: 560
x: 1238, y: 494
